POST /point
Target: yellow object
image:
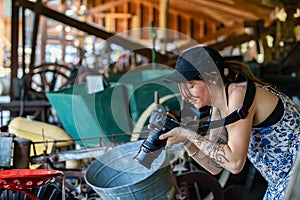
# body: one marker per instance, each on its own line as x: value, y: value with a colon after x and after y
x: 37, y: 131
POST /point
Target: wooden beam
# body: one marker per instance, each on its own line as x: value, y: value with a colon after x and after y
x: 114, y: 15
x: 44, y: 39
x: 37, y: 9
x: 163, y: 23
x: 193, y: 10
x: 260, y: 11
x: 184, y: 8
x: 14, y: 45
x: 96, y: 31
x: 233, y: 41
x: 231, y: 10
x: 112, y: 21
x: 226, y: 12
x: 202, y: 28
x: 106, y: 6
x: 237, y: 29
x: 126, y: 21
x: 189, y: 26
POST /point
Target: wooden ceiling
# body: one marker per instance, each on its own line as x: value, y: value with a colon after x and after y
x: 216, y: 23
x: 205, y: 21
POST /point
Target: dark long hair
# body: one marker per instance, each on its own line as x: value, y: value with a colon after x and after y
x: 236, y: 67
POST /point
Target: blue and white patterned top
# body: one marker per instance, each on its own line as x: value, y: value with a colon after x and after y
x: 273, y: 149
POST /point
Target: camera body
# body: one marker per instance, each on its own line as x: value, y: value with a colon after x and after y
x: 152, y: 146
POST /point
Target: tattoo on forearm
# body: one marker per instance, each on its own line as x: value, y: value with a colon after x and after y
x: 217, y: 165
x: 220, y: 137
x: 215, y: 151
x: 221, y: 141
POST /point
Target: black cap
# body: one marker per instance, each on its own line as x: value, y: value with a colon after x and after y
x: 195, y: 61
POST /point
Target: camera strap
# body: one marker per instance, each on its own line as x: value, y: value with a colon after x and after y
x: 240, y: 113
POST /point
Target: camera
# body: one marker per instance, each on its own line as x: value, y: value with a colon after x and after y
x: 152, y: 146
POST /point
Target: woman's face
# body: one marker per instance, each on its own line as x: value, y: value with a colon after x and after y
x: 199, y: 89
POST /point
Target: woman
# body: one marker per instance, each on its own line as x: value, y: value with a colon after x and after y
x: 268, y: 132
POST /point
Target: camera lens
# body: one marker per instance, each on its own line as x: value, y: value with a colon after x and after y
x: 150, y: 149
x: 152, y: 145
x: 146, y: 157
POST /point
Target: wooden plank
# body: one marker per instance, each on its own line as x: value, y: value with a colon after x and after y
x: 238, y: 29
x: 126, y: 22
x: 193, y: 9
x: 221, y: 45
x: 237, y: 40
x: 259, y: 9
x: 221, y: 11
x: 106, y: 6
x: 114, y: 15
x: 14, y: 45
x: 230, y: 10
x: 37, y: 11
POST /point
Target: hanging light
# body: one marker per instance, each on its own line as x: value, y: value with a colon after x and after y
x: 297, y: 13
x: 281, y: 15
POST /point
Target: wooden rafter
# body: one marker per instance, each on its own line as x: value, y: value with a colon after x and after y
x: 224, y: 9
x: 215, y: 18
x: 196, y: 11
x: 114, y: 15
x: 260, y: 11
x: 185, y: 8
x: 106, y: 7
x: 235, y: 29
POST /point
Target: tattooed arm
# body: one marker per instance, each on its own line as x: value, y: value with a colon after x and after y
x: 218, y: 135
x: 211, y: 155
x: 215, y: 153
x: 205, y: 161
x: 230, y: 154
x: 193, y: 144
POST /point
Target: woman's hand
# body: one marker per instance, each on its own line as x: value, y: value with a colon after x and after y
x: 177, y: 135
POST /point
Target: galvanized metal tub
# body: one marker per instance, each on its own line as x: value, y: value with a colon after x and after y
x: 116, y: 176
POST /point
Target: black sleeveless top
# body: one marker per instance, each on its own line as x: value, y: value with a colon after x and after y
x: 274, y: 117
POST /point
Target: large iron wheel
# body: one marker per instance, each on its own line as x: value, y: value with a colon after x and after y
x: 47, y: 77
x: 49, y: 191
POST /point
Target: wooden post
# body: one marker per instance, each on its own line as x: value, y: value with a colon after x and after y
x: 163, y: 24
x: 1, y: 32
x: 14, y: 45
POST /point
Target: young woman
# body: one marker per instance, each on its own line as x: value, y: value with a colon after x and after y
x: 268, y: 132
